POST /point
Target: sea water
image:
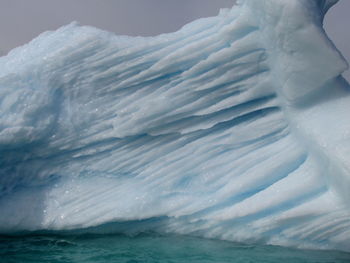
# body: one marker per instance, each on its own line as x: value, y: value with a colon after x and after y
x: 151, y: 248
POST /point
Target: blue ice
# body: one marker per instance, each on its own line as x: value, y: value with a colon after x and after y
x: 235, y: 127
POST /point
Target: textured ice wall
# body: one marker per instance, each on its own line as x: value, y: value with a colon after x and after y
x: 235, y: 127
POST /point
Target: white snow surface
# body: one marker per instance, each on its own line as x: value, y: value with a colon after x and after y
x: 235, y: 127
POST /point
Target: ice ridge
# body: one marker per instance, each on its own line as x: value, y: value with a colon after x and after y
x: 234, y: 127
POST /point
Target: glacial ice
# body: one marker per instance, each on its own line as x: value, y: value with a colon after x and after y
x: 235, y: 127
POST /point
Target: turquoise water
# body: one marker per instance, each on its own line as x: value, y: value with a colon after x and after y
x: 151, y: 248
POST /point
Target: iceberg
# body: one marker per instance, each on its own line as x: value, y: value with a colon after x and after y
x: 235, y: 127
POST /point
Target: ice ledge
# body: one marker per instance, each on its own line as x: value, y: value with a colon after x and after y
x: 168, y: 125
x: 302, y: 55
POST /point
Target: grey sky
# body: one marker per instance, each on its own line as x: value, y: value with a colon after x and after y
x: 337, y: 25
x: 22, y: 20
